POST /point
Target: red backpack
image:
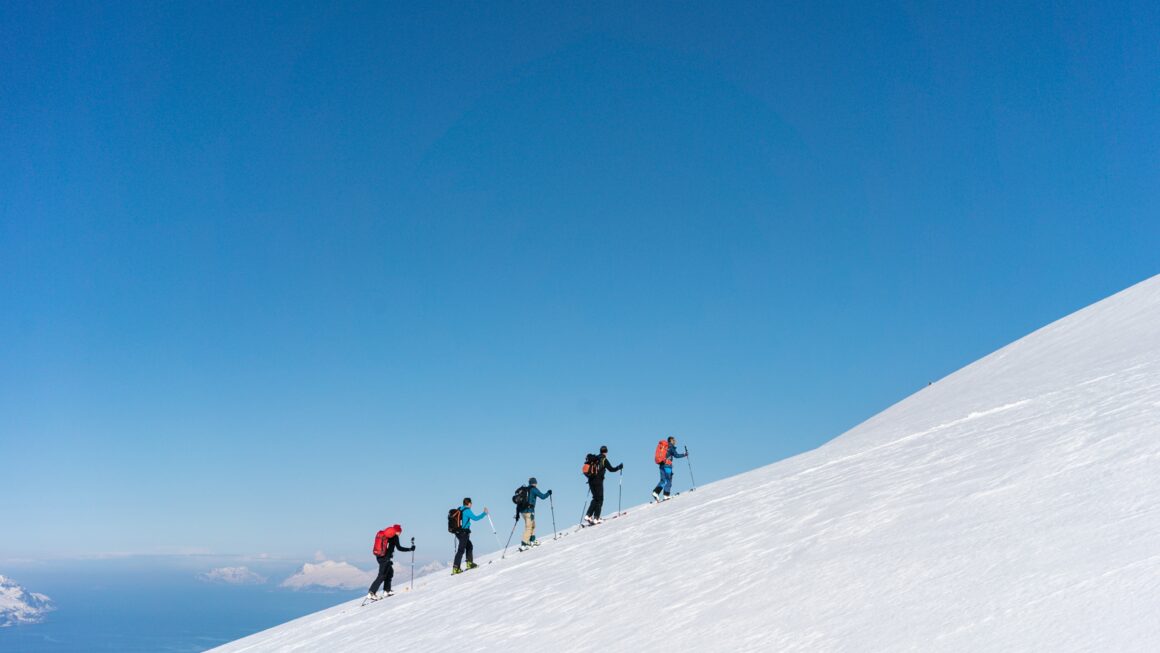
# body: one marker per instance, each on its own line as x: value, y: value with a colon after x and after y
x: 382, y: 541
x: 662, y: 452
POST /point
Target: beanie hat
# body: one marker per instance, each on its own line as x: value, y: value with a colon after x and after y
x: 532, y: 481
x: 603, y: 448
x: 398, y: 529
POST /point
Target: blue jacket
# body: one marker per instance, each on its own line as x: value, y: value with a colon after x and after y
x: 672, y: 454
x: 468, y: 517
x: 533, y: 494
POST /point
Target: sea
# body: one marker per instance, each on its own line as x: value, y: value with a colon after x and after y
x: 154, y: 605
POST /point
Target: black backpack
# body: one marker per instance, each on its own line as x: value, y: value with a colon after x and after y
x: 520, y: 498
x: 454, y: 520
x: 591, y: 465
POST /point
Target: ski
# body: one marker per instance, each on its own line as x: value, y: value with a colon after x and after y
x: 368, y: 600
x: 467, y: 569
x: 587, y: 524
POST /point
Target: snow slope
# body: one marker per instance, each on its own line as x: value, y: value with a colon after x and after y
x: 1011, y: 506
x: 19, y: 606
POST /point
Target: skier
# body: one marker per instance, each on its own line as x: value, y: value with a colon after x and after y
x: 666, y: 451
x: 528, y: 510
x: 464, y: 535
x: 596, y: 485
x: 386, y: 543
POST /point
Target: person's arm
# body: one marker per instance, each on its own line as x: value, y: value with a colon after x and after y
x: 399, y: 545
x: 678, y: 454
x: 472, y: 516
x: 613, y: 468
x: 539, y: 494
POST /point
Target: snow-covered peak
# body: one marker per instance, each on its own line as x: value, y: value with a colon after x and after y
x: 19, y: 606
x: 331, y: 574
x: 1010, y: 506
x: 232, y: 576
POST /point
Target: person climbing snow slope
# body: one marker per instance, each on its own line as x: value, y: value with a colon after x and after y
x: 666, y: 451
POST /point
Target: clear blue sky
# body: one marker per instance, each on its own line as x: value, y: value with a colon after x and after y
x: 275, y: 275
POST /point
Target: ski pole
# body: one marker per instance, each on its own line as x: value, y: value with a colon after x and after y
x: 584, y: 508
x: 493, y: 531
x: 620, y: 492
x: 690, y: 461
x: 412, y: 564
x: 552, y: 505
x: 509, y: 542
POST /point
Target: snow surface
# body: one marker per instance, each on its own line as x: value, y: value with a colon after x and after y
x: 1012, y: 506
x: 19, y: 606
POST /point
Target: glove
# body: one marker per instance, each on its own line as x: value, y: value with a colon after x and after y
x: 549, y: 493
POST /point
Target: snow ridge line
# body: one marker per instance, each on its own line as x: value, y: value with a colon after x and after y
x: 914, y: 436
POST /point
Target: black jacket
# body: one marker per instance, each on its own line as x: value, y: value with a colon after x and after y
x: 393, y: 545
x: 604, y: 466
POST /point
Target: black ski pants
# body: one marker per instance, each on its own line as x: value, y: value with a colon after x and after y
x: 596, y: 485
x: 465, y: 546
x: 386, y: 573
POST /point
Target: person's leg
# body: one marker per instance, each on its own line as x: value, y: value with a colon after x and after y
x: 597, y: 499
x: 462, y: 539
x: 470, y: 547
x: 667, y: 474
x: 592, y: 491
x: 528, y: 528
x: 378, y: 579
x: 387, y: 571
x: 661, y: 483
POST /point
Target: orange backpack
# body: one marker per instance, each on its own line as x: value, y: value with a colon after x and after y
x: 662, y: 454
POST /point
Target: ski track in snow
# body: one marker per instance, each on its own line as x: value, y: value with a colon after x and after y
x: 1012, y: 506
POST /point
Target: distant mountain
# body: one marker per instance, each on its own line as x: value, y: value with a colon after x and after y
x: 19, y: 606
x: 1008, y: 507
